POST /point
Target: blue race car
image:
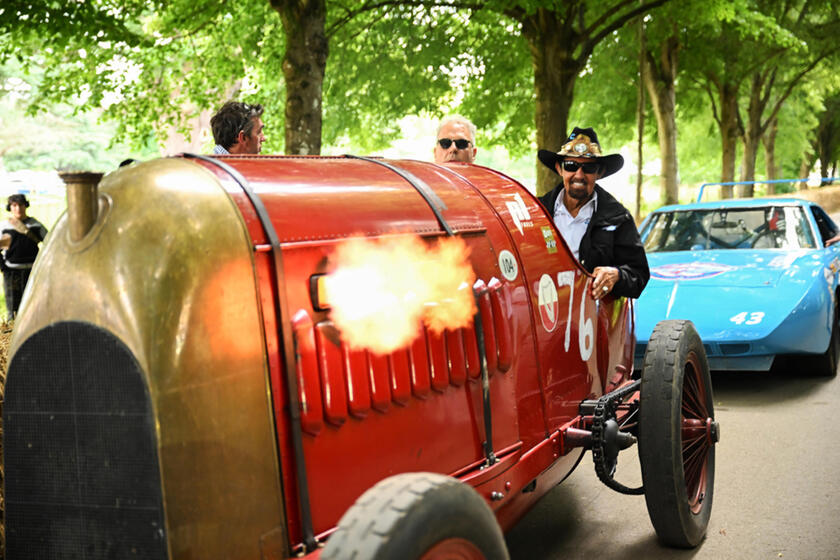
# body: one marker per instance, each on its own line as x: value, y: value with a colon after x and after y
x: 753, y: 275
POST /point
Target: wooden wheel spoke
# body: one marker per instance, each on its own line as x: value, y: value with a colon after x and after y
x: 693, y: 377
x: 695, y: 453
x: 692, y: 404
x: 630, y: 420
x: 693, y: 466
x: 694, y: 456
x: 693, y: 445
x: 691, y: 440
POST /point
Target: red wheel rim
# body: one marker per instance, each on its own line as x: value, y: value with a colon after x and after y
x: 453, y: 549
x: 697, y: 432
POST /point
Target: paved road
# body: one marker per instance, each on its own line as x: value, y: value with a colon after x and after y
x: 776, y: 488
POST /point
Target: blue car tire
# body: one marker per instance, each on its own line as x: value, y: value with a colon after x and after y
x: 827, y: 363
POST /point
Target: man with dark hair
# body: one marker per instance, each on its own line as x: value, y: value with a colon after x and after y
x: 596, y: 227
x: 20, y: 237
x: 238, y: 128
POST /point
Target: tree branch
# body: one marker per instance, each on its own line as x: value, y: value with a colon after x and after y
x: 796, y: 79
x: 618, y: 23
x: 375, y: 5
x: 708, y: 90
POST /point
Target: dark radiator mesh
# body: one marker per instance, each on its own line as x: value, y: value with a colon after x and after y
x: 82, y: 478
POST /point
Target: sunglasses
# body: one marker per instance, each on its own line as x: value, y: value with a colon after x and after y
x: 460, y: 143
x: 588, y: 168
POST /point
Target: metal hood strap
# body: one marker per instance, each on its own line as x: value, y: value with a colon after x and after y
x: 284, y: 318
x: 436, y: 204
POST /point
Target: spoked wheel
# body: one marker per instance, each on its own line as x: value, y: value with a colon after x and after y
x: 422, y: 516
x: 677, y: 434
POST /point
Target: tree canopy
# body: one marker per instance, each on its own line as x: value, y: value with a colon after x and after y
x: 750, y: 72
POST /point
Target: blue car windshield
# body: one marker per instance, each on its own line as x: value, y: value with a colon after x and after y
x: 766, y: 227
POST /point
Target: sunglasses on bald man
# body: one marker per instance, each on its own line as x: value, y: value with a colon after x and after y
x: 588, y: 168
x: 460, y: 143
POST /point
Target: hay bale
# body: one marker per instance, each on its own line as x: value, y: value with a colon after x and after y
x: 827, y: 197
x: 5, y: 340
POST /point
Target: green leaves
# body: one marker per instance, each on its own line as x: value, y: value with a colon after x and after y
x: 153, y: 66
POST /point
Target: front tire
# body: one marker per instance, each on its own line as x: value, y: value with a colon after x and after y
x: 826, y: 365
x: 418, y: 516
x: 677, y: 434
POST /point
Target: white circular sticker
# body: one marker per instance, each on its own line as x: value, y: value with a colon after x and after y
x: 549, y: 303
x: 508, y: 266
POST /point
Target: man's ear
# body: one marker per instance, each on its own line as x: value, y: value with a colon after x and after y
x: 240, y: 138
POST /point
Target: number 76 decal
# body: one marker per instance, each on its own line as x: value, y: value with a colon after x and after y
x: 586, y: 332
x: 748, y: 317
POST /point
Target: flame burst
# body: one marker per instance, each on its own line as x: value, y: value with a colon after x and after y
x: 382, y: 291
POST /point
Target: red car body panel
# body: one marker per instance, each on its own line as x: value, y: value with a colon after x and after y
x: 365, y: 417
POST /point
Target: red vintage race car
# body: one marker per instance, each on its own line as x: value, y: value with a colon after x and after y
x: 201, y: 370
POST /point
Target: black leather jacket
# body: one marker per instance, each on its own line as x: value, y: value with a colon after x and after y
x: 611, y: 239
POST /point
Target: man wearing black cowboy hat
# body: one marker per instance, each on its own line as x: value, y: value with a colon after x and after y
x: 20, y: 237
x: 598, y: 229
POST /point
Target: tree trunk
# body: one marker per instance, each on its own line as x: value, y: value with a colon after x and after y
x: 751, y: 144
x: 827, y: 143
x: 805, y: 166
x: 304, y: 63
x: 640, y: 118
x: 660, y: 76
x: 769, y: 141
x: 729, y: 133
x: 752, y: 135
x: 555, y: 72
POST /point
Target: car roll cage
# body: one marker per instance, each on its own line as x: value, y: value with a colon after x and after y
x: 771, y: 182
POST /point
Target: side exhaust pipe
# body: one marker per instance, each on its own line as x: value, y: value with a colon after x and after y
x: 82, y: 201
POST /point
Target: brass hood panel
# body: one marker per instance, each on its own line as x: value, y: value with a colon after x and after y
x: 170, y: 272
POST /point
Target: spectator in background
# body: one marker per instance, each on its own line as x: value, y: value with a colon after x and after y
x: 238, y: 128
x: 20, y: 237
x: 455, y: 140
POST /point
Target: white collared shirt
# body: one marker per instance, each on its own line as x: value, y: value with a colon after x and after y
x: 572, y: 228
x: 219, y: 150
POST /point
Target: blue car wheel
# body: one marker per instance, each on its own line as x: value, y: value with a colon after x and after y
x: 827, y: 363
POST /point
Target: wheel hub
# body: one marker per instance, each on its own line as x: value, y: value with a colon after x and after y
x: 695, y: 428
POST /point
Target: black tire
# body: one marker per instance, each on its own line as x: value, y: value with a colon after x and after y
x: 826, y: 365
x: 404, y: 516
x: 677, y: 434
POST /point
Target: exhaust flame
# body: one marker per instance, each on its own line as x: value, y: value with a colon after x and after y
x: 381, y: 291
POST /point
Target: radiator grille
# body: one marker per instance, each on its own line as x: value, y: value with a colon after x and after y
x: 82, y: 475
